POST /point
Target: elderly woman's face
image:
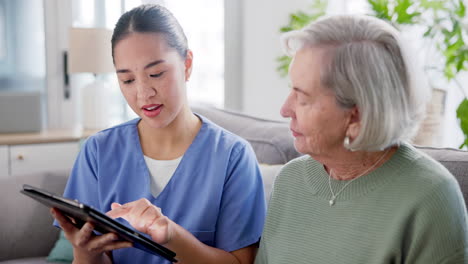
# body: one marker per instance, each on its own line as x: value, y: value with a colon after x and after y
x: 318, y: 123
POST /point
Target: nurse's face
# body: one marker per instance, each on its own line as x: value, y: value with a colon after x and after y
x: 152, y: 77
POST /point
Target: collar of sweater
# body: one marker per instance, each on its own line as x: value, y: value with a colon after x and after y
x: 316, y: 177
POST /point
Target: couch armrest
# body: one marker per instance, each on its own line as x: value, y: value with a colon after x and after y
x: 26, y: 225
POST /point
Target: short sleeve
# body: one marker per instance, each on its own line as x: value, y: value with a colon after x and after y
x: 242, y: 212
x: 82, y: 184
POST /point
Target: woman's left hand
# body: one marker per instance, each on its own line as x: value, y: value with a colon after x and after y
x: 146, y: 218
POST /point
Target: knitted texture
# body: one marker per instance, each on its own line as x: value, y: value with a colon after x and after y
x: 409, y: 210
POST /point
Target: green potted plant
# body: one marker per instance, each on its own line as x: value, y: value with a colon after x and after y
x: 297, y: 21
x: 444, y: 23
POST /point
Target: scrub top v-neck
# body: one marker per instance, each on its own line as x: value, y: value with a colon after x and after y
x: 161, y: 172
x: 216, y: 192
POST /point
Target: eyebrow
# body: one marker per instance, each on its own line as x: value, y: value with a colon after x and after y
x: 149, y: 65
x: 299, y: 90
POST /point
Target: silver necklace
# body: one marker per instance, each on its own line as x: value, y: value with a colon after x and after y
x: 333, y: 198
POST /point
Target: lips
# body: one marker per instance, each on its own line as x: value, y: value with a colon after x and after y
x: 151, y: 107
x: 152, y: 110
x: 295, y: 133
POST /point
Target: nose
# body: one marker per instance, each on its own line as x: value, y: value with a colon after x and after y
x: 287, y: 110
x: 145, y: 90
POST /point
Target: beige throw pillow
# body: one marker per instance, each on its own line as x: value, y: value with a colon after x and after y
x: 269, y: 173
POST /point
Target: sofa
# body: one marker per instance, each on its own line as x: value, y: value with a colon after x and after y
x: 27, y: 235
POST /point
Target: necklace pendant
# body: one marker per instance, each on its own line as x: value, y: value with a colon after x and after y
x: 332, y: 202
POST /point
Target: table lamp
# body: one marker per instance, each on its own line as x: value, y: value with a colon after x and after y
x: 90, y: 52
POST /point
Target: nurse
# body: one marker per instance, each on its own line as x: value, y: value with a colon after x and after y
x: 172, y: 174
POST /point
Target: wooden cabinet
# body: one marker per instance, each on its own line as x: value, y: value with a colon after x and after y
x: 47, y: 151
x: 35, y: 158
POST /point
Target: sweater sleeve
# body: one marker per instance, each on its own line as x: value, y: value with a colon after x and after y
x: 437, y: 232
x: 261, y: 257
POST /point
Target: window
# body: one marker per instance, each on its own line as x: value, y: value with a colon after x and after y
x: 205, y: 34
x: 22, y: 52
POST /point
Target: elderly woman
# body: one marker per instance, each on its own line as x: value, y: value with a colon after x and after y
x: 362, y: 194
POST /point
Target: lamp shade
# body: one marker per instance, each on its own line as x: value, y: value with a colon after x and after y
x: 90, y: 50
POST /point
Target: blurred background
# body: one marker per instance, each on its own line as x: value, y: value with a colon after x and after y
x: 236, y: 49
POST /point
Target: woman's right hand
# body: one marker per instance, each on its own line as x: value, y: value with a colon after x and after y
x: 87, y: 247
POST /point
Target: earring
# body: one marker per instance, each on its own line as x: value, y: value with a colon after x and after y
x: 346, y: 142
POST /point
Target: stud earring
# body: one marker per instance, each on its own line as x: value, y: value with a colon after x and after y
x: 346, y: 142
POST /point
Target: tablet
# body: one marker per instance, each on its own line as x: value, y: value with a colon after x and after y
x: 80, y: 213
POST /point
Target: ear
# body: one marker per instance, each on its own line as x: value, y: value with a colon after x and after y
x: 354, y: 125
x: 188, y: 65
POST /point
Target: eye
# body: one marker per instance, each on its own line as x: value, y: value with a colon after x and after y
x: 127, y: 81
x: 300, y: 99
x: 157, y: 75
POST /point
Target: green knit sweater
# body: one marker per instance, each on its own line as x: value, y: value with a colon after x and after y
x: 410, y: 210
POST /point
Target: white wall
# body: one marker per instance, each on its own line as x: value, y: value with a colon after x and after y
x: 262, y: 89
x: 452, y: 135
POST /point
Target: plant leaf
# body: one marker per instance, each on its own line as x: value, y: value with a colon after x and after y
x: 283, y: 66
x: 462, y: 115
x: 285, y: 29
x: 461, y: 9
x: 448, y: 72
x: 380, y: 8
x: 401, y: 11
x: 465, y: 143
x: 435, y: 5
x: 297, y: 21
x: 461, y: 62
x: 428, y: 32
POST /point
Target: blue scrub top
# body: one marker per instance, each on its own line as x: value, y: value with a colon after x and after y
x: 216, y: 192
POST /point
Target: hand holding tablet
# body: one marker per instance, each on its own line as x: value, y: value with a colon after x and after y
x: 80, y: 213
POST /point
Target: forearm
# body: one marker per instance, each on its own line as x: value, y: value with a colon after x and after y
x: 190, y: 250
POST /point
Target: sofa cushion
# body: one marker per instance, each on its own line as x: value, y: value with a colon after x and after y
x: 62, y: 251
x: 269, y: 173
x: 271, y: 140
x: 26, y: 225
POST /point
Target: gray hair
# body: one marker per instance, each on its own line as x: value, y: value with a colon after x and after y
x: 367, y: 67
